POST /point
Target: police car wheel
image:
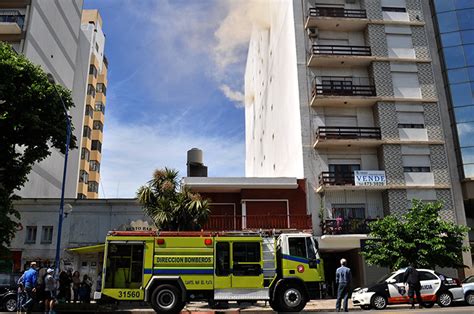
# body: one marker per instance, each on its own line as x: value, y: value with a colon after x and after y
x: 378, y: 302
x: 445, y: 299
x: 291, y: 299
x: 10, y: 304
x: 470, y: 298
x: 166, y: 299
x: 428, y: 305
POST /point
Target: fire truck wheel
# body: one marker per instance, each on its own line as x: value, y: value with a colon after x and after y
x: 275, y: 305
x: 291, y: 298
x: 166, y: 299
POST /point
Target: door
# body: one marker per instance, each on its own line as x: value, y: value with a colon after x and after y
x: 222, y: 270
x: 429, y: 286
x: 398, y: 292
x: 247, y: 264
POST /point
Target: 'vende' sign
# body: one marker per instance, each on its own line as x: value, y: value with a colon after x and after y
x: 370, y: 177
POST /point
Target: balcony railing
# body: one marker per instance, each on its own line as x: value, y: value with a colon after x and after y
x: 348, y: 133
x: 346, y: 226
x: 336, y: 178
x: 12, y: 16
x: 343, y: 86
x: 341, y: 50
x: 337, y: 12
x: 238, y: 222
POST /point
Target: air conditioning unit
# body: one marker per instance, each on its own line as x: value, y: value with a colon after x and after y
x: 313, y: 32
x: 351, y: 1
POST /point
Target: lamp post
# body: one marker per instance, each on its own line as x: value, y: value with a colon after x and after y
x: 61, y: 205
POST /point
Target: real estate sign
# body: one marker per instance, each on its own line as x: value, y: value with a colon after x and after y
x: 369, y: 177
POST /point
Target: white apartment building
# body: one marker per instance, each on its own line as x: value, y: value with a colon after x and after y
x: 342, y: 93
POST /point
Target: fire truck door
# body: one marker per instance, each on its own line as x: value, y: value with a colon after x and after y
x: 247, y: 264
x: 222, y: 271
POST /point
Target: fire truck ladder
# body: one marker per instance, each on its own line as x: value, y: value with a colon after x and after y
x: 269, y: 263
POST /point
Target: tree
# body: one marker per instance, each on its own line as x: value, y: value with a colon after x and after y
x: 32, y: 121
x: 170, y: 206
x: 420, y: 237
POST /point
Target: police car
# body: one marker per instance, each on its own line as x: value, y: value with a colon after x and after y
x: 435, y: 288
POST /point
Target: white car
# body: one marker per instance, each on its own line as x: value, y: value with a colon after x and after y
x: 468, y: 289
x: 435, y: 288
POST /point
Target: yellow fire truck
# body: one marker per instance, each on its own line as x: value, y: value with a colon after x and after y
x: 169, y: 269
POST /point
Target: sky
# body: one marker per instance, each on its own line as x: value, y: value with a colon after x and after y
x: 175, y: 81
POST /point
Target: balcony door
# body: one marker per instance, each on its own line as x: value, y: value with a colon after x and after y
x: 343, y: 174
x: 337, y: 86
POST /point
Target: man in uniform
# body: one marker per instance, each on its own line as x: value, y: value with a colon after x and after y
x: 412, y: 278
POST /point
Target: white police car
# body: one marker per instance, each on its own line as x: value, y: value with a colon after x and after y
x: 435, y: 287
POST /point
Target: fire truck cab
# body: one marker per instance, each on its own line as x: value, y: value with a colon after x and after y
x: 169, y: 269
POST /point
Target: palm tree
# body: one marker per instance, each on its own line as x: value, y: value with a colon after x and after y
x: 170, y: 206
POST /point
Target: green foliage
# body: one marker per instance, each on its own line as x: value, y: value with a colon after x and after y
x: 420, y: 237
x: 171, y: 207
x: 31, y: 121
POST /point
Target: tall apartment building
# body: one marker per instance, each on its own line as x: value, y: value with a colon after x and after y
x: 47, y: 33
x: 455, y: 38
x: 94, y: 87
x: 343, y: 93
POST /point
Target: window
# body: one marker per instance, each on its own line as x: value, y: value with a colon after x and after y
x: 47, y: 234
x: 96, y: 145
x: 94, y: 165
x: 246, y: 258
x: 222, y: 259
x: 91, y: 90
x: 424, y: 275
x: 416, y: 169
x: 89, y: 111
x: 297, y: 247
x: 93, y: 70
x: 81, y: 196
x: 399, y: 278
x: 83, y: 176
x: 96, y: 47
x: 30, y: 234
x: 310, y: 248
x: 101, y: 88
x: 349, y: 211
x: 93, y: 187
x: 87, y: 132
x: 85, y: 154
x: 393, y: 9
x: 98, y: 125
x: 411, y: 126
x: 100, y: 107
x: 400, y: 46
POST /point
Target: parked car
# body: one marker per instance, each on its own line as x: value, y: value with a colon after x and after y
x: 468, y: 289
x: 8, y: 291
x: 435, y: 288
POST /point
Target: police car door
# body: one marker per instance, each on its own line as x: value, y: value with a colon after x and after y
x: 429, y: 285
x: 397, y: 292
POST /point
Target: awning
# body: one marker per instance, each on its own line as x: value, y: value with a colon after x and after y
x: 88, y: 249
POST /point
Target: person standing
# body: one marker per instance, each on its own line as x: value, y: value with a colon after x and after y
x: 412, y: 278
x: 49, y: 291
x: 343, y: 281
x: 76, y: 283
x: 30, y: 279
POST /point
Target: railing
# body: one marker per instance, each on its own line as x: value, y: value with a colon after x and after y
x: 346, y: 226
x: 238, y: 222
x: 343, y: 86
x: 337, y: 12
x: 341, y: 50
x: 336, y: 178
x: 347, y: 132
x: 12, y: 16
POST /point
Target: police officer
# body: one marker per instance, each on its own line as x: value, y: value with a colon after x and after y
x: 412, y: 278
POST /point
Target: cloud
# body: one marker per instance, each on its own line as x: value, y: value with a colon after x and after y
x: 131, y: 151
x: 233, y: 95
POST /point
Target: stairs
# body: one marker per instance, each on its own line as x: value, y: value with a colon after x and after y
x: 269, y: 262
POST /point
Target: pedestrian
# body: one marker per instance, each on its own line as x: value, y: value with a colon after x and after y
x: 343, y: 280
x: 64, y: 286
x: 412, y: 278
x: 76, y: 283
x: 85, y: 289
x: 30, y: 278
x: 49, y: 291
x: 68, y: 290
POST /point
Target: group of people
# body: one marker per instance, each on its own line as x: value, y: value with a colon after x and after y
x: 344, y: 278
x: 41, y: 286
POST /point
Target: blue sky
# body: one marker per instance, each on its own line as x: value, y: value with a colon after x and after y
x: 175, y: 82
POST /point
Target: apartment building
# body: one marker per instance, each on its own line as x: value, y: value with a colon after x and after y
x: 454, y: 29
x: 94, y: 89
x: 47, y: 33
x: 343, y: 93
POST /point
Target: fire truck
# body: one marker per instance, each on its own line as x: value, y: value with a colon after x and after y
x: 170, y: 269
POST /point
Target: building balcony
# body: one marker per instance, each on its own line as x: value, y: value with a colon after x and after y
x: 340, y: 55
x: 11, y: 22
x: 238, y: 222
x: 334, y: 136
x: 343, y: 91
x: 336, y: 178
x: 338, y: 19
x: 346, y: 226
x: 347, y: 181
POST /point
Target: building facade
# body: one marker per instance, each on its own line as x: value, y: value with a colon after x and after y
x: 47, y: 33
x: 344, y: 95
x: 94, y: 90
x: 453, y: 21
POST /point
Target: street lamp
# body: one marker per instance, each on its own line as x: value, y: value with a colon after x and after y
x: 61, y: 205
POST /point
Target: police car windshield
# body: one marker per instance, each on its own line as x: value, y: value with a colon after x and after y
x: 384, y: 278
